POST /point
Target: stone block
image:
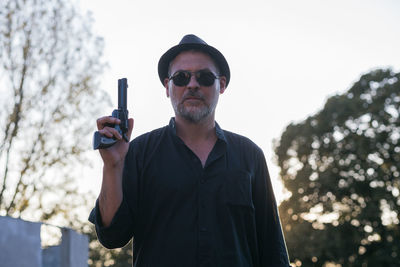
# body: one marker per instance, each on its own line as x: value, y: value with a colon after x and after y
x: 20, y: 243
x: 74, y: 249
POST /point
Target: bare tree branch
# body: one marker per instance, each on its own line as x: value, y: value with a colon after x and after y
x: 51, y: 62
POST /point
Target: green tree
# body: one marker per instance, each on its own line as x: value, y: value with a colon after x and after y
x: 100, y: 256
x: 342, y: 168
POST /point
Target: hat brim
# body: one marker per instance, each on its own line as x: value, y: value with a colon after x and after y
x: 167, y: 57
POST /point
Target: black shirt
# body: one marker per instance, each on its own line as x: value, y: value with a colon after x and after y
x: 183, y: 214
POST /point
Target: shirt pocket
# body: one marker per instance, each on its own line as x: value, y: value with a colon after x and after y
x: 237, y: 189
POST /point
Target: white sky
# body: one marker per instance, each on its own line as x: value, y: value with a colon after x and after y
x: 286, y: 57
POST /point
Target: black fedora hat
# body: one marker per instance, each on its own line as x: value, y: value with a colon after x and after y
x: 190, y: 42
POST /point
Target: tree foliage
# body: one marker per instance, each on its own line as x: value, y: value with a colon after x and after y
x: 342, y: 168
x: 100, y: 256
x: 50, y: 62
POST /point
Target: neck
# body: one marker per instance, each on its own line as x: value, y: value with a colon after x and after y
x: 191, y: 132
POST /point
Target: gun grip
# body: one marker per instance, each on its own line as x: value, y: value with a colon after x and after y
x: 100, y: 141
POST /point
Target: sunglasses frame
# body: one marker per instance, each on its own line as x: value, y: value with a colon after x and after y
x: 196, y: 75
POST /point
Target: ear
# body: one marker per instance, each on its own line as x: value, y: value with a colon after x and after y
x: 166, y: 85
x: 222, y: 84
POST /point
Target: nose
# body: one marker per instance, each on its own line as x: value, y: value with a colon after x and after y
x: 193, y: 82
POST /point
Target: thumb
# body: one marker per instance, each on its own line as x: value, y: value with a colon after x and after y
x: 130, y: 127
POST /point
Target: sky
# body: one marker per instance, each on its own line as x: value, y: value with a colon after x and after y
x: 286, y: 58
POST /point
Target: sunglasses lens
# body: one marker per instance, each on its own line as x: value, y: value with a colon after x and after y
x: 181, y: 78
x: 206, y: 78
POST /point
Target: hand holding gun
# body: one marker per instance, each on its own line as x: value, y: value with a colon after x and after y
x: 101, y: 141
x: 112, y: 140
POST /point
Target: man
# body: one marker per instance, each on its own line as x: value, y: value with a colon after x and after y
x: 190, y: 193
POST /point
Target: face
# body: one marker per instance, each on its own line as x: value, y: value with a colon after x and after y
x: 194, y: 102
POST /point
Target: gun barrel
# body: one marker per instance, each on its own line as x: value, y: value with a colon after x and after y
x: 122, y: 93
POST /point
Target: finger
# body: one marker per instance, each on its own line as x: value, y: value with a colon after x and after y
x: 106, y: 133
x: 114, y: 132
x: 101, y: 122
x: 110, y: 132
x: 130, y: 127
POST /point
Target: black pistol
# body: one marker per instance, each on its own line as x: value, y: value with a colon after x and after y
x: 100, y: 141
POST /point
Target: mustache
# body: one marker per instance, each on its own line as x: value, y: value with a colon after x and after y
x: 191, y: 94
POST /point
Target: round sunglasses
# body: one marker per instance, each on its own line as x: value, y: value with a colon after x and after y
x: 203, y: 77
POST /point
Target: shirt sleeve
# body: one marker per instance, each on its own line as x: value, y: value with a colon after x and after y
x: 271, y: 243
x: 119, y: 232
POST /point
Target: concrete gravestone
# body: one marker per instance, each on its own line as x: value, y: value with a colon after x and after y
x: 20, y: 245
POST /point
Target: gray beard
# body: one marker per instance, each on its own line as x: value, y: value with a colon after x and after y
x: 193, y: 116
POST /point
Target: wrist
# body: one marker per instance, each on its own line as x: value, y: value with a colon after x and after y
x: 113, y: 166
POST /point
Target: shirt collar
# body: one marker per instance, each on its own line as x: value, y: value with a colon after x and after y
x: 218, y: 131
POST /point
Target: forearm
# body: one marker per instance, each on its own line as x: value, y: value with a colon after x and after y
x: 111, y: 195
